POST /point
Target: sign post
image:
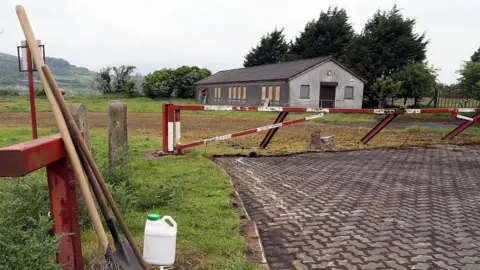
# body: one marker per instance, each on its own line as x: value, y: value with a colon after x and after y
x: 25, y: 64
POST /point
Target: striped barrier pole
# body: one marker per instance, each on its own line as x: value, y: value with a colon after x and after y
x: 248, y: 131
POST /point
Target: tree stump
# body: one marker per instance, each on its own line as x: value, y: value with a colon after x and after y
x: 322, y: 143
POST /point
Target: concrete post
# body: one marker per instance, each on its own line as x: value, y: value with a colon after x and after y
x: 79, y: 113
x: 117, y: 134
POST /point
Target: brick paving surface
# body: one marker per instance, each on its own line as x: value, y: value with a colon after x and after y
x: 415, y: 208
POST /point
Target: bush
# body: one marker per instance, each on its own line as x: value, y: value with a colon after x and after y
x: 26, y: 240
x: 40, y: 92
x: 9, y: 92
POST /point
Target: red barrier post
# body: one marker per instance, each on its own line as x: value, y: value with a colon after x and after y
x: 63, y: 210
x: 21, y: 159
x: 165, y: 128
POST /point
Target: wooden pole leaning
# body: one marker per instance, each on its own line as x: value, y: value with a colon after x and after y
x: 85, y: 155
x: 62, y: 127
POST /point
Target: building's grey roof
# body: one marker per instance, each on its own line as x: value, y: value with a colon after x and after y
x: 280, y: 71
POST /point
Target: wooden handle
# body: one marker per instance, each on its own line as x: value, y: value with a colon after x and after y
x: 93, y: 173
x: 62, y: 127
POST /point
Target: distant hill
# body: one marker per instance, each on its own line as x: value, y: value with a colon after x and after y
x: 67, y: 75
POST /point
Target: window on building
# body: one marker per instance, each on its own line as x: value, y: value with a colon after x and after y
x: 234, y: 92
x: 217, y: 92
x: 229, y: 92
x: 244, y: 92
x: 277, y: 92
x: 270, y: 92
x: 264, y: 92
x: 304, y: 91
x: 348, y: 92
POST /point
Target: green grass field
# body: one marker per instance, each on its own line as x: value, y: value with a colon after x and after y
x: 191, y: 189
x: 146, y: 105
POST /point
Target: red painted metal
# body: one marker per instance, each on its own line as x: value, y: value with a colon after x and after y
x: 271, y: 132
x: 372, y: 133
x: 462, y: 127
x: 24, y: 158
x: 177, y: 115
x: 63, y: 210
x: 31, y: 90
x: 165, y: 127
x: 390, y: 115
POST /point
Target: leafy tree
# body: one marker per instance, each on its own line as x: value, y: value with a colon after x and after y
x: 385, y: 46
x: 103, y: 80
x: 272, y: 49
x: 469, y: 79
x: 180, y: 82
x: 418, y: 81
x: 386, y: 87
x: 449, y: 90
x: 476, y: 56
x: 115, y: 80
x: 122, y: 79
x: 158, y: 84
x: 184, y: 80
x: 330, y: 34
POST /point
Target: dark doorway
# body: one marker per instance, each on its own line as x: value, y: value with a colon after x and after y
x: 327, y: 95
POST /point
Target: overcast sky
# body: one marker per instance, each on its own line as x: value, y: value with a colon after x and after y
x: 217, y: 34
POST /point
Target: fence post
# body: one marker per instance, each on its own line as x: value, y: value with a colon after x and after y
x: 117, y: 134
x: 79, y: 113
x: 63, y: 210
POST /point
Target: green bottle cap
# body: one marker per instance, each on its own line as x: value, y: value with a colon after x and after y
x: 153, y: 217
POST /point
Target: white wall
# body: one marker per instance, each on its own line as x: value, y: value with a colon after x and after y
x: 314, y: 76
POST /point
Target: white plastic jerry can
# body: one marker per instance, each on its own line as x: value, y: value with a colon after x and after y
x: 159, y: 240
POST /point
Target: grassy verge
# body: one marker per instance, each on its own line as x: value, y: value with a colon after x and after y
x: 190, y: 189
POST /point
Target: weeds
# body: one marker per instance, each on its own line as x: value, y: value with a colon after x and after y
x: 26, y: 239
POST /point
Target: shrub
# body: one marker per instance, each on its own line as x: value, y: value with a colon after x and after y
x: 9, y: 92
x: 40, y: 92
x: 26, y: 240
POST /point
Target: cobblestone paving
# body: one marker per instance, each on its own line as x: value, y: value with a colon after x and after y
x: 414, y: 208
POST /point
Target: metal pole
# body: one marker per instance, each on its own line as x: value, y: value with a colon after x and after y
x: 31, y: 90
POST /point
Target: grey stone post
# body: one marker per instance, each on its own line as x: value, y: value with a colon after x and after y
x: 117, y: 134
x: 79, y: 113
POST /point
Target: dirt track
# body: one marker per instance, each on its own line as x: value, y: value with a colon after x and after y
x: 289, y: 139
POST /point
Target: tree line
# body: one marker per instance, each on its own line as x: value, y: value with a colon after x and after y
x: 164, y: 83
x: 387, y: 53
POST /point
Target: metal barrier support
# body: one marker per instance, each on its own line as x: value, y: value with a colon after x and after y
x: 269, y: 136
x: 374, y: 131
x: 23, y: 158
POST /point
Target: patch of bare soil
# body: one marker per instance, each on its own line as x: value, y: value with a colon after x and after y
x: 295, y: 138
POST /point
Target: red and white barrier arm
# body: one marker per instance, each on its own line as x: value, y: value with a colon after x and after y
x: 248, y: 131
x: 283, y: 109
x: 443, y: 110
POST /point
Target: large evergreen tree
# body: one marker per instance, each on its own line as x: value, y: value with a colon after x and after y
x: 271, y: 49
x: 386, y: 45
x: 476, y: 56
x: 328, y: 35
